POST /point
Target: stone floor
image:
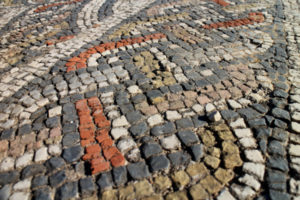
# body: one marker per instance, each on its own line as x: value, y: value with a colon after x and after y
x: 150, y: 99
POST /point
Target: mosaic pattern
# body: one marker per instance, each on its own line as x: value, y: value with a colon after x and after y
x: 123, y: 99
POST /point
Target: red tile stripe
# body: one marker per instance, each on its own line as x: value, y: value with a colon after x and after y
x: 94, y: 134
x: 61, y: 39
x: 44, y: 8
x: 79, y: 61
x: 221, y: 2
x: 253, y: 17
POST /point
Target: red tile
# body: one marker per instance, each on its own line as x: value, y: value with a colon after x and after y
x: 101, y: 167
x: 91, y: 51
x: 103, y: 123
x: 95, y: 148
x: 70, y: 64
x: 85, y: 120
x: 87, y: 142
x: 107, y: 143
x: 90, y: 156
x: 87, y: 132
x: 118, y: 160
x: 102, y: 136
x: 110, y: 152
x: 94, y: 102
x: 74, y: 59
x: 100, y: 49
x: 81, y: 65
x: 97, y: 161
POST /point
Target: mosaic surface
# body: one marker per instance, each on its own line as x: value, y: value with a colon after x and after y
x: 150, y: 99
